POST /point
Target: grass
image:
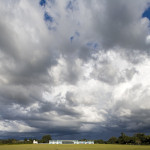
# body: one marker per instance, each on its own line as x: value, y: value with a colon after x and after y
x: 73, y: 147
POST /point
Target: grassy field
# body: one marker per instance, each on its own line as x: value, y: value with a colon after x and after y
x: 73, y: 147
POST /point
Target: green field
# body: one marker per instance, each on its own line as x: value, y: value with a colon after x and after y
x: 73, y: 147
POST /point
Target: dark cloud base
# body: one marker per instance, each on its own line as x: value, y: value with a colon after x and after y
x: 74, y: 69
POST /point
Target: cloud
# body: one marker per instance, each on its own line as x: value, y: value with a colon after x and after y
x: 74, y: 68
x: 119, y: 24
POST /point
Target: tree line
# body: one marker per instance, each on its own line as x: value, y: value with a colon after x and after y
x: 44, y: 139
x: 136, y: 139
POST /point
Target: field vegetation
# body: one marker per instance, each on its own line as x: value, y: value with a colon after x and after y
x: 73, y: 147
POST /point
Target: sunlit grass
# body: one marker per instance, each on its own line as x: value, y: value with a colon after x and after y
x: 73, y: 147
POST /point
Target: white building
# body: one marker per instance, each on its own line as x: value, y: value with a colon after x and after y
x: 35, y: 142
x: 70, y: 142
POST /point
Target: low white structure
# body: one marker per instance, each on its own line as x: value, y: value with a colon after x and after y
x: 70, y: 142
x: 35, y: 142
x: 55, y: 141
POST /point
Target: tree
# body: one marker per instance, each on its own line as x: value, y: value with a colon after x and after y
x: 113, y: 140
x: 140, y: 138
x: 25, y: 140
x: 123, y: 139
x: 100, y: 141
x: 46, y: 138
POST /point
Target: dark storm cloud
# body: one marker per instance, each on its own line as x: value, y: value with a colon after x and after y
x: 28, y: 72
x: 130, y: 114
x: 7, y: 39
x: 120, y: 24
x: 136, y: 122
x: 81, y: 71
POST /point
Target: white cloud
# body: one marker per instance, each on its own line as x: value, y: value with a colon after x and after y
x: 88, y: 68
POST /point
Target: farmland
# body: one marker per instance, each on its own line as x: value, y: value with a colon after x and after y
x: 73, y: 147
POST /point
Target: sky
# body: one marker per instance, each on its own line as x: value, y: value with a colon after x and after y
x: 74, y: 68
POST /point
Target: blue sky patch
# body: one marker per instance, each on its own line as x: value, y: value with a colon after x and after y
x: 74, y: 36
x: 70, y: 5
x: 89, y: 44
x: 71, y: 38
x: 93, y: 45
x: 47, y: 17
x: 42, y: 2
x: 146, y: 13
x: 77, y: 33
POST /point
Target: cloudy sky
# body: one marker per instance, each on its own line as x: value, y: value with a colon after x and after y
x: 74, y: 68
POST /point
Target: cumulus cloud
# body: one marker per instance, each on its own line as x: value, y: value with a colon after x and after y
x: 74, y: 68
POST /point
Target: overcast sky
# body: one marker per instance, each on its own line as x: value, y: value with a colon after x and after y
x: 74, y: 68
